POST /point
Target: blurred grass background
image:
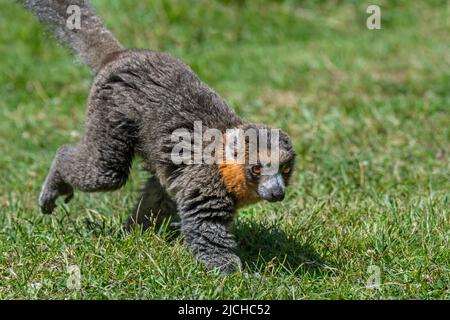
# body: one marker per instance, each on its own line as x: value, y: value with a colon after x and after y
x: 368, y: 110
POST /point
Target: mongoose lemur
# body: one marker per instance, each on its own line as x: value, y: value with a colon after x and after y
x: 138, y: 98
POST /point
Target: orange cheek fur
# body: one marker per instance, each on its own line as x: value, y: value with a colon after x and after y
x: 236, y: 182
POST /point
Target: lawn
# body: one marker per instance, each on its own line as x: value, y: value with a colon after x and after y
x: 368, y: 212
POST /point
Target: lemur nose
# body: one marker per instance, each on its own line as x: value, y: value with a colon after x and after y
x: 278, y: 195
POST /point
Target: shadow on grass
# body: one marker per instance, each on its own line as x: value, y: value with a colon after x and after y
x: 261, y: 248
x: 266, y: 247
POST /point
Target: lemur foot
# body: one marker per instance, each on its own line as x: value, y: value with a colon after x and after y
x: 226, y: 263
x: 51, y: 190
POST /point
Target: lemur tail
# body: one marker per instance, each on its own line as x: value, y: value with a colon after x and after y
x: 89, y: 38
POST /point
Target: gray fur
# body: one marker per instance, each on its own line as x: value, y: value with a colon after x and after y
x: 137, y: 99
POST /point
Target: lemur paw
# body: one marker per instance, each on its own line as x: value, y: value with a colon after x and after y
x: 226, y: 264
x: 48, y: 196
x: 47, y: 201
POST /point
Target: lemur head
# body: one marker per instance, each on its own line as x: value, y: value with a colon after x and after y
x: 265, y: 167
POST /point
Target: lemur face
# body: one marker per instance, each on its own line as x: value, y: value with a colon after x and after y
x: 271, y: 175
x: 267, y: 168
x: 270, y: 187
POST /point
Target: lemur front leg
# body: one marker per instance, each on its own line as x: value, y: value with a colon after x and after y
x: 54, y: 185
x: 154, y: 206
x: 205, y: 225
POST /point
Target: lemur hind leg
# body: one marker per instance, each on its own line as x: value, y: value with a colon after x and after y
x: 100, y: 162
x: 153, y: 208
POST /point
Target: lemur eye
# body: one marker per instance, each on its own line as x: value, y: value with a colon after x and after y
x: 256, y: 169
x: 286, y: 170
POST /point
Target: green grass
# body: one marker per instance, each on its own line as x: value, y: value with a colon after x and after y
x: 369, y: 113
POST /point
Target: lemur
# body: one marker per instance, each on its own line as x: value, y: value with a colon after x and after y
x: 137, y: 99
